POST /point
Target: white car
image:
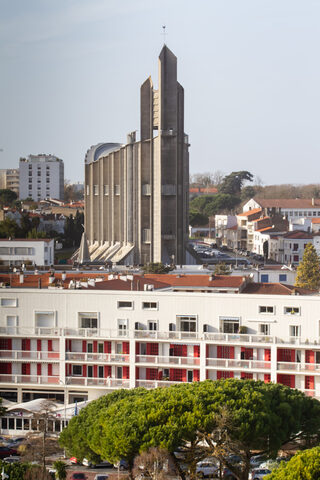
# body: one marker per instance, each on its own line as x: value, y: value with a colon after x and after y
x: 260, y: 473
x: 206, y: 469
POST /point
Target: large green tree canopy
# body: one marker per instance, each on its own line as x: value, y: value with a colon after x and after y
x: 262, y: 417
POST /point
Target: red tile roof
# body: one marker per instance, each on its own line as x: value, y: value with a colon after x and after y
x: 276, y: 289
x: 199, y: 280
x: 248, y: 213
x: 298, y: 234
x: 315, y: 220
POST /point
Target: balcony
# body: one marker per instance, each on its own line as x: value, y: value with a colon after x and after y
x: 154, y: 383
x: 238, y: 338
x: 29, y: 379
x: 168, y: 360
x: 99, y: 382
x: 98, y: 357
x: 238, y: 364
x: 299, y: 367
x: 29, y: 355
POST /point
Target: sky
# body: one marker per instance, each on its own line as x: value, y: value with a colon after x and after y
x: 71, y: 72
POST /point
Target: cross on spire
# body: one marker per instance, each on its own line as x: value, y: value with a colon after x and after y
x: 164, y: 33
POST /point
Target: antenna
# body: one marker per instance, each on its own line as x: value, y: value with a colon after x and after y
x: 164, y: 33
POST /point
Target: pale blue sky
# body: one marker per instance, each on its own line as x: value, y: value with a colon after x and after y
x: 71, y: 71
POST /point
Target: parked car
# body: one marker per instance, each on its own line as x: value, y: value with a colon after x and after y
x: 228, y: 475
x: 7, y: 452
x: 206, y: 469
x: 78, y: 476
x: 101, y: 476
x: 260, y: 473
x: 102, y: 464
x: 12, y: 459
x: 256, y: 461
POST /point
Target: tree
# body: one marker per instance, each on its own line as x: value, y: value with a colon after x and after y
x: 308, y: 272
x: 157, y: 267
x: 233, y: 182
x: 197, y: 219
x: 7, y: 197
x: 259, y: 417
x: 15, y: 471
x: 156, y: 464
x: 303, y: 466
x: 222, y: 269
x: 9, y: 229
x: 40, y: 444
x: 61, y: 469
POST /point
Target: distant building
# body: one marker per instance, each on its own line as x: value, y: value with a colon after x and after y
x: 136, y: 195
x: 9, y: 179
x: 287, y: 207
x: 41, y: 176
x: 35, y: 251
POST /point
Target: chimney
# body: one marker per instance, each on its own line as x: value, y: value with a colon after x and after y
x: 312, y: 202
x: 21, y: 277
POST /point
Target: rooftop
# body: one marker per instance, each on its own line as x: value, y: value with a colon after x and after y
x: 288, y: 202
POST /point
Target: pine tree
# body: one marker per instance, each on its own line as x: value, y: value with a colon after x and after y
x: 308, y: 272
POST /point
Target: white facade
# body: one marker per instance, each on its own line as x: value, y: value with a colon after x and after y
x: 37, y: 251
x: 271, y: 274
x: 41, y: 176
x: 85, y: 343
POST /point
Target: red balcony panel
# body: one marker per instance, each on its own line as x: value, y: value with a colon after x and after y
x: 39, y: 345
x: 107, y: 347
x: 137, y: 372
x: 25, y: 369
x: 177, y: 375
x: 95, y: 371
x: 267, y: 354
x: 125, y: 348
x: 152, y: 349
x: 286, y: 355
x: 196, y: 375
x: 39, y: 369
x: 84, y: 346
x: 84, y: 370
x: 310, y: 357
x: 151, y: 373
x: 288, y: 380
x: 267, y: 378
x: 107, y: 371
x: 224, y: 374
x: 25, y: 344
x: 5, y: 368
x: 5, y: 344
x: 95, y: 346
x: 125, y: 372
x: 309, y: 382
x: 246, y: 376
x: 225, y: 352
x: 49, y: 369
x: 177, y: 350
x: 246, y: 353
x: 196, y: 351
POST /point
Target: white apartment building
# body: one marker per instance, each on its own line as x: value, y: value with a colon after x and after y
x: 41, y: 176
x: 75, y: 344
x: 37, y: 251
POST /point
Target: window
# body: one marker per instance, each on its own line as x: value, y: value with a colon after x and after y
x: 282, y: 277
x: 9, y: 302
x: 122, y: 326
x: 95, y: 189
x: 152, y: 325
x: 88, y: 320
x: 294, y: 330
x: 169, y: 189
x: 265, y: 329
x: 45, y: 319
x: 105, y: 189
x: 264, y: 278
x: 296, y: 258
x: 292, y: 310
x: 125, y: 304
x: 295, y: 247
x: 77, y: 370
x: 117, y: 189
x: 150, y: 305
x: 12, y: 321
x: 266, y: 309
x: 229, y: 324
x: 187, y: 323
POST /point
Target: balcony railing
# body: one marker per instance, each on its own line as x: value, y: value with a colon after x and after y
x: 116, y: 334
x: 98, y: 357
x: 30, y: 379
x: 299, y: 367
x: 170, y: 360
x: 238, y: 364
x: 29, y: 355
x: 99, y: 382
x: 154, y: 383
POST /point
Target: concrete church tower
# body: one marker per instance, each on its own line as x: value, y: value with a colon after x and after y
x: 136, y: 196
